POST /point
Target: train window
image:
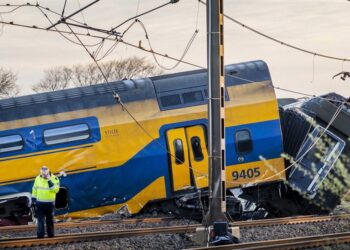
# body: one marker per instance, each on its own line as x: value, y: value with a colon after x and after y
x: 66, y: 134
x: 197, y: 148
x: 243, y: 140
x: 195, y: 96
x: 10, y: 143
x: 318, y: 155
x: 170, y: 100
x: 179, y: 151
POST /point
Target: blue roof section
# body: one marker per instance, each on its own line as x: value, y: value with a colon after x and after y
x: 236, y: 74
x: 129, y: 90
x: 74, y: 99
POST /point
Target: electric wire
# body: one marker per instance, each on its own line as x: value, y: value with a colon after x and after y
x: 115, y: 94
x: 11, y: 23
x: 183, y: 54
x: 63, y: 19
x: 38, y: 6
x: 335, y: 115
x: 82, y: 12
x: 279, y: 41
x: 16, y: 7
x: 64, y: 8
x: 64, y: 36
x: 202, y: 2
x: 82, y: 15
x: 137, y: 8
x: 142, y: 14
x: 2, y: 26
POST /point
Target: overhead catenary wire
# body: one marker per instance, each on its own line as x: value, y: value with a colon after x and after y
x: 136, y: 46
x: 280, y: 41
x: 37, y: 5
x: 112, y: 31
x: 1, y: 26
x: 190, y: 42
x: 64, y: 8
x: 62, y: 20
x: 62, y: 34
x: 142, y: 14
x: 202, y: 2
x: 82, y: 15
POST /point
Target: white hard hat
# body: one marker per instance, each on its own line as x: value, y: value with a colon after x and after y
x: 44, y: 170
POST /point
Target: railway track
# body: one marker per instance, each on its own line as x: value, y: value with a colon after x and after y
x: 291, y: 243
x: 86, y: 223
x: 242, y: 224
x: 106, y: 235
x: 83, y: 237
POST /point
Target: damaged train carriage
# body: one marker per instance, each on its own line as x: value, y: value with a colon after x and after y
x: 110, y: 160
x: 316, y: 142
x: 161, y: 160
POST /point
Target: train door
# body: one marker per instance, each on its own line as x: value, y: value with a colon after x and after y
x: 189, y: 157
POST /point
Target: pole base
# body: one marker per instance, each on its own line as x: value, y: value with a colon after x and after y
x: 206, y: 236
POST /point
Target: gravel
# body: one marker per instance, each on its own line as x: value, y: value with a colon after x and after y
x: 180, y: 241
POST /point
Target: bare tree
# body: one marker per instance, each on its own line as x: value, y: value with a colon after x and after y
x: 89, y: 74
x: 54, y: 79
x: 114, y: 70
x: 8, y: 86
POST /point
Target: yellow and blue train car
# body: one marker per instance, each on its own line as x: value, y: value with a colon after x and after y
x: 111, y: 161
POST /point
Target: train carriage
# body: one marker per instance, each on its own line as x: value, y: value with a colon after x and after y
x: 113, y: 160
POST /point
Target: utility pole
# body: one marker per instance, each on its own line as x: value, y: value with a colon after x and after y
x: 216, y: 113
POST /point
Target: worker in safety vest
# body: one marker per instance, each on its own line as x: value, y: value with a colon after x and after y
x: 45, y: 188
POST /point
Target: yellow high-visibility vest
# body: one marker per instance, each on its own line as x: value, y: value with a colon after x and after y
x: 41, y: 190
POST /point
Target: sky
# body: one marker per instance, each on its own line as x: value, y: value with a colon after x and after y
x: 321, y: 26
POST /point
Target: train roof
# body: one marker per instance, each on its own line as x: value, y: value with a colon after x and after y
x: 156, y: 87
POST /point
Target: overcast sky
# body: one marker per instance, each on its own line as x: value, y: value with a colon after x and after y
x: 322, y: 26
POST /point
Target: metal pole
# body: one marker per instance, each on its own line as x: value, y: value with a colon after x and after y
x: 216, y: 113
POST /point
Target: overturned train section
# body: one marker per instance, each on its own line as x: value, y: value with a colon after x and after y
x: 316, y: 144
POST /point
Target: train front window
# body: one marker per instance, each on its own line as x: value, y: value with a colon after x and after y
x: 66, y: 134
x: 179, y: 151
x: 10, y: 143
x: 197, y: 148
x: 318, y: 155
x: 243, y: 141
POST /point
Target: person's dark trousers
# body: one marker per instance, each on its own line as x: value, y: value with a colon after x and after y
x: 45, y: 211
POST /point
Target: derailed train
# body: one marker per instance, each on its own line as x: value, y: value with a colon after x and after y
x: 112, y: 162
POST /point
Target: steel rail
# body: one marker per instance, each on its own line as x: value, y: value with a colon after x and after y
x: 241, y: 224
x: 96, y: 236
x: 290, y: 243
x: 275, y: 244
x: 87, y: 223
x: 290, y: 220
